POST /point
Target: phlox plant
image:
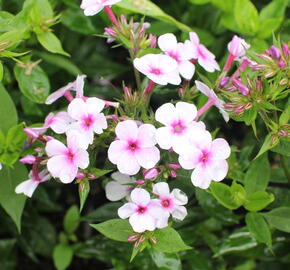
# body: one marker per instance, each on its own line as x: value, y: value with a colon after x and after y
x: 155, y: 162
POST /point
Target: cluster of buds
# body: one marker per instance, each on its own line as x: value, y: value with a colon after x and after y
x: 274, y: 59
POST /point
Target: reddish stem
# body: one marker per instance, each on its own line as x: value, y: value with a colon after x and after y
x: 149, y: 88
x: 68, y: 96
x: 111, y: 15
x: 229, y: 63
x: 204, y: 108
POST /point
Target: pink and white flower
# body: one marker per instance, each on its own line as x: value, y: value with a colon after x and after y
x: 134, y: 147
x: 159, y: 68
x: 178, y: 121
x: 207, y: 157
x: 237, y: 47
x: 212, y: 99
x: 143, y: 213
x: 64, y: 160
x: 172, y: 203
x: 92, y: 7
x: 176, y: 50
x: 89, y: 119
x: 29, y: 186
x: 77, y: 86
x: 198, y: 51
x: 120, y: 188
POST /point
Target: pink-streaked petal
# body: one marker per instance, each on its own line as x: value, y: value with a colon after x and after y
x: 79, y: 85
x: 44, y: 175
x: 122, y: 178
x: 161, y: 189
x: 208, y: 64
x: 55, y: 147
x: 140, y: 196
x: 194, y: 38
x: 166, y: 63
x: 27, y: 187
x: 203, y: 88
x: 126, y: 210
x: 191, y: 49
x: 200, y: 177
x: 142, y: 223
x: 143, y: 64
x: 127, y: 130
x: 146, y: 135
x: 217, y: 170
x: 94, y: 105
x: 186, y: 111
x: 100, y: 123
x: 116, y: 149
x: 220, y: 149
x: 166, y: 114
x: 191, y: 159
x: 173, y: 77
x: 82, y: 158
x: 179, y: 197
x: 115, y: 191
x: 159, y: 79
x: 186, y: 69
x: 148, y: 157
x: 128, y: 164
x: 90, y: 11
x: 77, y: 109
x: 164, y: 137
x: 59, y: 93
x: 179, y: 213
x: 167, y: 42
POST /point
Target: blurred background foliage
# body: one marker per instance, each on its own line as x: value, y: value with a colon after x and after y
x: 52, y: 42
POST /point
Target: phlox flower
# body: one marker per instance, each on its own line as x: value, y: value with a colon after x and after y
x: 77, y: 86
x: 207, y: 157
x: 176, y: 50
x: 134, y: 147
x: 178, y: 121
x: 89, y: 119
x: 64, y: 161
x: 198, y: 51
x: 120, y: 187
x: 237, y: 47
x: 172, y: 203
x: 159, y: 68
x: 92, y: 7
x: 28, y: 187
x: 213, y: 98
x: 143, y: 213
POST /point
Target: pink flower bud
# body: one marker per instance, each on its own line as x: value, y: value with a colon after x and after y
x: 110, y: 32
x: 174, y: 166
x: 140, y: 182
x: 80, y: 175
x: 181, y: 91
x: 238, y: 46
x: 275, y: 52
x: 243, y: 88
x: 31, y: 133
x: 48, y: 138
x: 133, y: 238
x: 283, y: 133
x: 29, y: 159
x: 259, y: 85
x: 153, y: 41
x: 151, y: 173
x: 123, y: 19
x: 286, y: 50
x: 229, y: 106
x: 282, y: 64
x: 173, y: 174
x: 91, y: 176
x: 224, y: 81
x: 267, y: 52
x: 239, y: 109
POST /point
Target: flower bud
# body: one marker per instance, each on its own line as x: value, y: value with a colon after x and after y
x: 31, y: 133
x: 153, y: 41
x: 151, y: 173
x: 238, y: 46
x: 275, y: 52
x: 281, y: 64
x: 285, y: 50
x: 243, y: 88
x: 91, y: 176
x: 174, y: 166
x: 173, y: 174
x: 283, y: 81
x: 29, y: 159
x: 224, y: 81
x: 259, y: 85
x: 283, y: 133
x: 140, y: 182
x: 110, y: 32
x: 133, y: 238
x: 80, y: 175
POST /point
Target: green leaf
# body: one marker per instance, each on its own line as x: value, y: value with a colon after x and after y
x: 200, y: 2
x: 62, y: 256
x: 259, y: 228
x: 275, y: 9
x: 12, y: 203
x: 258, y: 200
x: 148, y: 8
x: 236, y: 242
x: 268, y: 27
x: 279, y: 218
x: 258, y: 175
x: 238, y: 193
x: 224, y: 195
x: 84, y: 190
x: 116, y: 229
x: 1, y: 71
x: 165, y: 261
x: 98, y: 172
x: 34, y: 85
x: 246, y: 16
x: 75, y: 20
x: 71, y: 220
x: 50, y: 42
x: 8, y: 113
x: 269, y: 143
x: 169, y: 241
x: 282, y: 148
x: 285, y: 116
x: 225, y: 5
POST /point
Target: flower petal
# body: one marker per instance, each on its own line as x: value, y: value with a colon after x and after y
x: 148, y: 157
x: 116, y: 150
x: 166, y: 114
x: 127, y: 130
x: 220, y: 149
x: 200, y: 177
x: 127, y: 163
x: 126, y: 210
x: 186, y: 69
x: 146, y: 135
x: 179, y: 197
x: 141, y: 223
x: 77, y: 109
x: 94, y: 105
x: 140, y: 196
x: 186, y: 111
x: 115, y: 191
x: 27, y: 187
x: 122, y: 178
x: 167, y: 42
x: 55, y: 147
x: 164, y: 137
x: 179, y: 213
x: 161, y: 189
x: 217, y: 170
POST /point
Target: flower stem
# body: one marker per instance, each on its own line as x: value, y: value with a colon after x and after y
x: 68, y: 96
x: 111, y: 15
x: 204, y: 108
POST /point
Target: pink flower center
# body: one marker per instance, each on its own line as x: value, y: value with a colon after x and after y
x: 133, y: 146
x: 204, y: 158
x: 201, y: 53
x: 141, y: 210
x: 174, y: 55
x: 166, y: 202
x: 88, y: 121
x: 178, y: 127
x: 70, y: 156
x: 156, y: 71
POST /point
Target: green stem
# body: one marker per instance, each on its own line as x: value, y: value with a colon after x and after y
x: 285, y: 167
x: 136, y: 72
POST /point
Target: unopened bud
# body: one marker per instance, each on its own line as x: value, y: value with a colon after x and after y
x: 282, y: 64
x: 110, y: 32
x: 285, y: 49
x: 153, y: 240
x: 151, y: 173
x: 29, y: 159
x: 174, y: 166
x: 275, y: 52
x: 181, y: 91
x: 91, y: 176
x: 133, y: 238
x: 123, y: 19
x: 239, y: 109
x: 224, y: 81
x: 259, y: 85
x: 248, y: 106
x: 283, y: 133
x: 267, y: 52
x: 80, y: 175
x: 31, y: 133
x: 153, y: 41
x: 283, y: 81
x: 243, y: 88
x: 229, y: 106
x: 173, y: 174
x: 140, y: 182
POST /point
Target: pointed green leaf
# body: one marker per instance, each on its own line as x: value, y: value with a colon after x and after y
x: 71, y: 220
x: 62, y: 256
x: 279, y: 218
x: 258, y: 200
